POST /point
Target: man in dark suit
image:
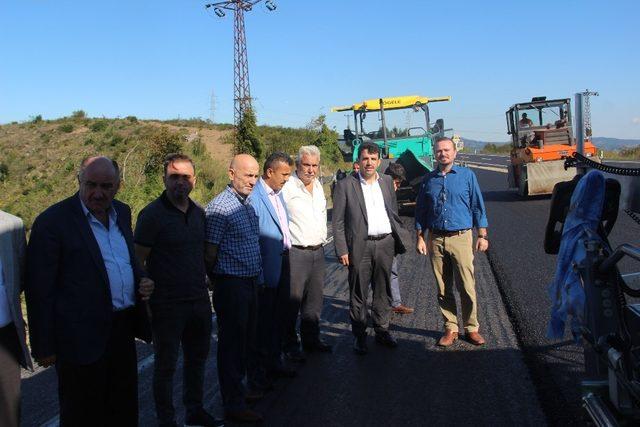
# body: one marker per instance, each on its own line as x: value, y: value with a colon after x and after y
x: 85, y: 294
x: 368, y: 234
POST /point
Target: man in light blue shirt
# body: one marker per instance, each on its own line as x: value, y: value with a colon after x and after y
x: 449, y: 204
x: 115, y: 255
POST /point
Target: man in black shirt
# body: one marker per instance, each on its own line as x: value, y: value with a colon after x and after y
x: 169, y: 240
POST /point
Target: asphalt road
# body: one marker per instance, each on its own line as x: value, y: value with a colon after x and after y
x: 501, y: 160
x: 415, y: 384
x: 523, y: 272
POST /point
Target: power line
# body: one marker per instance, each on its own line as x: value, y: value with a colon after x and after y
x: 213, y: 106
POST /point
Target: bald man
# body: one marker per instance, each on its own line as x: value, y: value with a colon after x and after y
x: 85, y: 296
x: 232, y: 255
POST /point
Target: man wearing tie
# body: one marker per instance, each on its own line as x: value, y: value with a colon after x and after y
x: 85, y: 294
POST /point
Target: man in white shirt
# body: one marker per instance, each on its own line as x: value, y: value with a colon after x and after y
x: 13, y: 348
x: 307, y: 208
x: 368, y: 234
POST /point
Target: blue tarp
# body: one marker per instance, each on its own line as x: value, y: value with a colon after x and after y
x: 566, y: 291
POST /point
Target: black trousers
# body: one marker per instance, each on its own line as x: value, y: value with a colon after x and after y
x: 104, y: 393
x: 174, y: 323
x: 9, y: 376
x: 235, y: 300
x: 305, y: 296
x: 374, y: 268
x: 272, y: 303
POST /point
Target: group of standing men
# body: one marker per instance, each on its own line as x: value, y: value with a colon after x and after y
x: 92, y: 285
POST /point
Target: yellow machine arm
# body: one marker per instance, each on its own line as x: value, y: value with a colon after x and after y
x: 393, y: 103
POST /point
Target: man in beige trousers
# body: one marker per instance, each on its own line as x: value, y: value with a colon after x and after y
x: 448, y: 206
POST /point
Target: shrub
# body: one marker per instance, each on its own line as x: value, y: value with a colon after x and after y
x: 630, y: 153
x: 99, y: 125
x: 37, y: 119
x: 131, y: 119
x: 78, y: 115
x: 160, y: 142
x: 197, y: 147
x: 66, y: 128
x: 116, y: 139
x: 4, y: 172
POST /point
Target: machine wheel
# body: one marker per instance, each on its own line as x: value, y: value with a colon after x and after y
x: 523, y: 189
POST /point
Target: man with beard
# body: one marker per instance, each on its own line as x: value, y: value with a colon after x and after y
x: 169, y: 240
x: 449, y: 204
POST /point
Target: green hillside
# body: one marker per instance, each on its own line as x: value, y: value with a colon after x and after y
x: 39, y: 159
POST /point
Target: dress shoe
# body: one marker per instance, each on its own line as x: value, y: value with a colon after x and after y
x: 360, y: 345
x: 385, y: 339
x: 318, y: 345
x: 264, y: 386
x: 253, y: 396
x: 475, y: 338
x: 402, y: 309
x: 283, y: 372
x: 244, y: 416
x: 448, y: 338
x: 202, y: 419
x: 295, y: 356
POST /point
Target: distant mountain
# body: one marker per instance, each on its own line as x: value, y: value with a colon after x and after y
x: 605, y: 143
x: 475, y: 144
x: 602, y: 142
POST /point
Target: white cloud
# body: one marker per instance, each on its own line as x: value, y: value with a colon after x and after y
x: 636, y: 120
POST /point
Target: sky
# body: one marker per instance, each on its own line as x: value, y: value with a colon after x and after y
x: 168, y: 59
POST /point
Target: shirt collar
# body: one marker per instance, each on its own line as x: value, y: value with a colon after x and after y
x: 242, y: 199
x: 297, y: 181
x: 167, y: 203
x: 362, y: 180
x: 454, y: 169
x: 270, y: 191
x: 113, y: 215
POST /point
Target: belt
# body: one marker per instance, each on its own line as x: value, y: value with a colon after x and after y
x: 378, y: 236
x: 308, y: 248
x: 446, y: 233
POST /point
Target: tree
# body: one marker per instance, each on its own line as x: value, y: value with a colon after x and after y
x: 247, y: 141
x: 160, y: 143
x: 326, y: 139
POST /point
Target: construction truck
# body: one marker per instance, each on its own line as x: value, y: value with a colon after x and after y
x: 413, y: 149
x: 542, y: 137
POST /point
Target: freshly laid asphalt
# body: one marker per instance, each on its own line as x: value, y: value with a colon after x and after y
x: 523, y: 272
x: 414, y: 384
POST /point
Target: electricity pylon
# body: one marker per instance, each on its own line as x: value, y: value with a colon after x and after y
x: 241, y: 89
x: 586, y: 112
